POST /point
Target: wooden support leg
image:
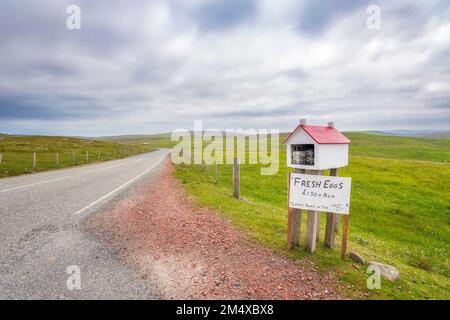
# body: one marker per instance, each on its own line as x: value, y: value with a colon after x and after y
x: 318, y: 226
x: 289, y: 237
x: 344, y: 237
x: 336, y: 223
x: 311, y: 231
x: 330, y: 230
x: 296, y: 224
x: 332, y: 223
x: 294, y: 220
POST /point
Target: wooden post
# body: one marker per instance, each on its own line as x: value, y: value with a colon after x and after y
x: 290, y: 214
x: 74, y: 159
x: 344, y: 237
x: 236, y: 179
x: 87, y: 156
x: 330, y: 228
x: 34, y: 160
x: 1, y: 157
x: 57, y: 159
x: 294, y: 218
x: 334, y: 172
x: 318, y: 216
x: 217, y: 172
x: 311, y: 228
x: 98, y: 154
x: 318, y: 226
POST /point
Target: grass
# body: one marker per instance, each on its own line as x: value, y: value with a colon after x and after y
x: 399, y: 212
x: 405, y: 148
x: 17, y: 152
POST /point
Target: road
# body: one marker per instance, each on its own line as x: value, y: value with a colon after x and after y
x: 40, y: 216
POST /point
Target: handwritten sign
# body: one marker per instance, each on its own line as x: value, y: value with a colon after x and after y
x: 319, y: 193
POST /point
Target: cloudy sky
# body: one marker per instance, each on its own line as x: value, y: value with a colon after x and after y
x: 154, y: 66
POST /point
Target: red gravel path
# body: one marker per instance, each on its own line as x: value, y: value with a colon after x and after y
x: 188, y: 252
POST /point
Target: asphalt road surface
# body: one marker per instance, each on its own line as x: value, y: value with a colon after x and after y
x: 42, y: 248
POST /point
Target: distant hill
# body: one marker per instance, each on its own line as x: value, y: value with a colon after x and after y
x: 160, y: 140
x: 134, y: 137
x: 429, y: 134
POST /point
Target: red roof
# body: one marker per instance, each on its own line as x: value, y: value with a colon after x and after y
x: 322, y: 135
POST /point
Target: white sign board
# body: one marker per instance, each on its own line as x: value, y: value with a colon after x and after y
x: 319, y: 193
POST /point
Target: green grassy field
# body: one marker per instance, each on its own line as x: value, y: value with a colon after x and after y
x: 17, y: 152
x: 399, y: 213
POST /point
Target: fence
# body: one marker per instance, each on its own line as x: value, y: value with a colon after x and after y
x: 15, y: 162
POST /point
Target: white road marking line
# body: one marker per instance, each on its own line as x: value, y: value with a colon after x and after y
x: 34, y: 184
x: 111, y: 167
x: 65, y: 177
x: 121, y: 187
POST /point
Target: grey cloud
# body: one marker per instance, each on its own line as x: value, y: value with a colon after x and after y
x: 29, y: 108
x: 318, y: 14
x: 154, y: 65
x: 223, y: 14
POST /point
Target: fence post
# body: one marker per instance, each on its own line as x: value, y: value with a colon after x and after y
x: 57, y: 159
x: 1, y: 157
x: 87, y: 156
x: 236, y: 179
x: 332, y: 221
x: 98, y: 152
x: 217, y: 172
x: 73, y: 157
x: 34, y: 160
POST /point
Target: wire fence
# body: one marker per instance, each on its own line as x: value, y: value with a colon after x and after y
x: 20, y: 162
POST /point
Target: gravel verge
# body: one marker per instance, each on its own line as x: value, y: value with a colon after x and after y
x: 190, y: 252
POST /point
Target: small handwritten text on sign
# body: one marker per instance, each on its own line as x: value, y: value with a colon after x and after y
x: 319, y: 193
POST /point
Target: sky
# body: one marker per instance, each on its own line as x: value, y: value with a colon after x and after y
x: 139, y: 67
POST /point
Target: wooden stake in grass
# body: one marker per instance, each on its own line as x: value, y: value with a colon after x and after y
x: 73, y: 157
x: 57, y: 159
x: 1, y: 157
x: 87, y: 156
x: 34, y: 160
x: 217, y: 172
x: 236, y: 179
x: 98, y: 155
